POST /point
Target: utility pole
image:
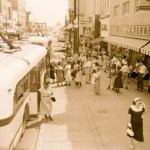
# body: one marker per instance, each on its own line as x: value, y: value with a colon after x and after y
x: 75, y: 32
x: 78, y: 25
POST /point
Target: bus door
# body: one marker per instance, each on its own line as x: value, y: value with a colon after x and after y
x: 34, y: 86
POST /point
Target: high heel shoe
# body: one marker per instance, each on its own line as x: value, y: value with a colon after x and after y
x: 108, y: 87
x: 50, y: 118
x: 46, y: 116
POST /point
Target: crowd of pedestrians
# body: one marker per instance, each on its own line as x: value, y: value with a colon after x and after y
x: 74, y: 67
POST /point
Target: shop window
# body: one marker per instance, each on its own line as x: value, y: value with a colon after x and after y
x: 125, y: 8
x: 142, y: 5
x: 116, y: 11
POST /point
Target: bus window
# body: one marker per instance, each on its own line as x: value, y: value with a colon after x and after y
x: 15, y: 100
x: 19, y: 92
x: 42, y: 64
x: 33, y: 81
x: 27, y: 83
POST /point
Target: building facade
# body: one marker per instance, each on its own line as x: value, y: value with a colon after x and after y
x: 12, y: 15
x: 20, y: 7
x: 5, y: 15
x: 129, y: 27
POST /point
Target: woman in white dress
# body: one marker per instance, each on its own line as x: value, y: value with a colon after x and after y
x: 97, y: 80
x: 46, y: 102
x: 68, y: 76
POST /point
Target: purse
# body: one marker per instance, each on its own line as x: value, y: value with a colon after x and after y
x: 53, y: 99
x: 129, y: 131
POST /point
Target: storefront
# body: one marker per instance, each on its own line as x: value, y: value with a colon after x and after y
x: 132, y: 41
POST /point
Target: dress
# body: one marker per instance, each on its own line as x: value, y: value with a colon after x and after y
x: 59, y: 74
x: 68, y: 76
x: 52, y: 72
x: 78, y: 77
x: 137, y: 122
x: 46, y: 102
x: 112, y: 76
x: 97, y: 83
x: 118, y: 80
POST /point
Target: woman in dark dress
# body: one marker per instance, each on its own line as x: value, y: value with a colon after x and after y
x: 135, y: 120
x: 118, y: 80
x: 52, y: 72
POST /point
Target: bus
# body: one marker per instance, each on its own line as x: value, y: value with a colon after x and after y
x: 21, y: 75
x: 42, y: 41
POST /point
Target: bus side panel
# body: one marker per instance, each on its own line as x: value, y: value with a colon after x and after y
x: 18, y: 120
x: 11, y: 133
x: 5, y: 136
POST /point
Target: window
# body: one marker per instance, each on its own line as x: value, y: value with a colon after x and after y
x: 27, y: 83
x: 136, y: 6
x: 116, y: 11
x: 43, y: 62
x: 125, y: 8
x: 19, y: 92
x: 142, y: 5
x: 33, y: 83
x: 22, y: 89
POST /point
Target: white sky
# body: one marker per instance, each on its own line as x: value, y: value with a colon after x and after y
x: 49, y: 11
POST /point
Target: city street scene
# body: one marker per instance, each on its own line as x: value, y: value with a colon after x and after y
x: 75, y: 75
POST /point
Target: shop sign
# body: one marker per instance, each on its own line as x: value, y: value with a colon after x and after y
x: 134, y: 31
x: 85, y: 23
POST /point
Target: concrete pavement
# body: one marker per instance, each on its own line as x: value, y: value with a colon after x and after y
x: 85, y: 121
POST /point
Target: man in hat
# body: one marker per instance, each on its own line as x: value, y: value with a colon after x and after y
x: 142, y: 72
x: 125, y: 71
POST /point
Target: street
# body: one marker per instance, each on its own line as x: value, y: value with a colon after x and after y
x: 85, y: 121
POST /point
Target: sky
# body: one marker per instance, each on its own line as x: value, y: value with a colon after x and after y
x: 49, y: 11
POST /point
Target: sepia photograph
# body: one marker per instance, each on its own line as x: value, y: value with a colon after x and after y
x: 74, y: 74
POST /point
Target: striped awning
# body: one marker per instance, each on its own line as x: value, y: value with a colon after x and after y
x: 131, y: 43
x: 146, y: 49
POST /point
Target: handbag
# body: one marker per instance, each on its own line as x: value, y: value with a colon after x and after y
x: 53, y: 99
x: 129, y: 131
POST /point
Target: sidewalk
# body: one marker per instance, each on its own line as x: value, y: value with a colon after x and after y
x: 85, y: 121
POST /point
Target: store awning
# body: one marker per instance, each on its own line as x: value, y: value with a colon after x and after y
x: 146, y: 49
x: 94, y: 41
x: 131, y: 43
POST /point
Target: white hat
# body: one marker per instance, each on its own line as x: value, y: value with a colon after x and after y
x: 136, y: 99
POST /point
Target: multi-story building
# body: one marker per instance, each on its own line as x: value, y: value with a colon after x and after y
x: 130, y: 29
x: 5, y: 15
x: 20, y: 7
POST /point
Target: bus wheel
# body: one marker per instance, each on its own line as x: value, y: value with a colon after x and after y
x: 24, y: 123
